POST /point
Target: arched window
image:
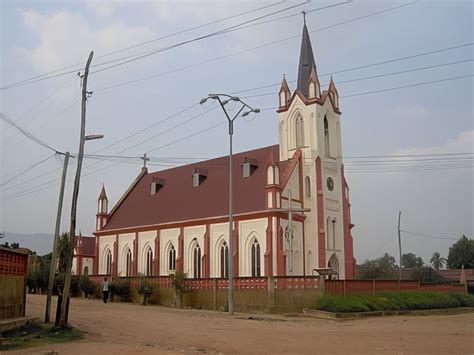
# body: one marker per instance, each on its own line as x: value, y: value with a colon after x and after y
x: 326, y: 137
x: 329, y: 233
x: 224, y: 258
x: 149, y: 262
x: 128, y: 262
x: 307, y: 187
x: 334, y: 233
x: 333, y: 264
x: 277, y: 175
x: 86, y: 271
x: 171, y: 258
x: 255, y: 253
x: 270, y: 177
x: 299, y: 130
x: 108, y: 262
x: 197, y: 262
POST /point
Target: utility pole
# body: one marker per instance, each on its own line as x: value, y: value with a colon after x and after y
x: 54, y: 257
x: 75, y: 194
x: 227, y: 99
x: 289, y: 230
x: 400, y: 245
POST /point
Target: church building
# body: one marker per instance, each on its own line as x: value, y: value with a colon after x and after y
x: 177, y: 219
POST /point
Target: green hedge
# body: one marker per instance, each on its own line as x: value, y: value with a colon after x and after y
x: 394, y: 301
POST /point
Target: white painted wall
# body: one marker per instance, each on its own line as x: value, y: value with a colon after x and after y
x: 219, y: 233
x: 125, y: 242
x: 168, y: 237
x: 105, y: 243
x: 145, y: 240
x: 189, y: 234
x: 254, y: 228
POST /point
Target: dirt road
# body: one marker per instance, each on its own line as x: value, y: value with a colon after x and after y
x: 127, y: 328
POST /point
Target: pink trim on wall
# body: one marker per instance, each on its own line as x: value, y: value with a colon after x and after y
x: 269, y: 252
x: 320, y: 213
x: 206, y: 262
x: 156, y: 268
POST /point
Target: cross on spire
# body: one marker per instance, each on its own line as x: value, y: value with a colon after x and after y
x: 145, y: 159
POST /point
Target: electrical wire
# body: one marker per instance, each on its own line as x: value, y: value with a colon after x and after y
x: 27, y: 169
x: 427, y: 235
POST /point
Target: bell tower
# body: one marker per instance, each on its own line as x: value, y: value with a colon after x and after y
x: 102, y: 209
x: 309, y: 121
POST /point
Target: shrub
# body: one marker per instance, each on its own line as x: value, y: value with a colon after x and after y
x: 122, y: 289
x: 86, y: 286
x: 464, y: 299
x: 144, y: 289
x: 393, y: 301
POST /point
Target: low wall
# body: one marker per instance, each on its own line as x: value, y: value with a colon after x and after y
x: 273, y: 294
x: 343, y: 287
x: 13, y: 270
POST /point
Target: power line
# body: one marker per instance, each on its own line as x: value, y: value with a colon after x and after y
x: 27, y: 134
x: 124, y: 60
x: 373, y: 76
x: 252, y: 49
x: 143, y: 43
x: 27, y: 169
x: 405, y: 155
x: 408, y: 86
x: 427, y: 235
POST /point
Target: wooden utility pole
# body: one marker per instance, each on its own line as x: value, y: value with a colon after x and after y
x: 400, y: 245
x: 54, y: 257
x: 289, y: 231
x: 75, y: 194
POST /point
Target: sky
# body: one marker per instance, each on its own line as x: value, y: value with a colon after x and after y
x: 39, y: 37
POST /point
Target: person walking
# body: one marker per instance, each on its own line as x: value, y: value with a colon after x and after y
x: 105, y: 290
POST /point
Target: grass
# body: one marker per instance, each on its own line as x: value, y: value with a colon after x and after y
x: 394, y: 301
x: 36, y: 334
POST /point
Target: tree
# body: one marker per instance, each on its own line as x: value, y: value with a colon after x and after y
x: 461, y: 253
x: 437, y: 261
x: 410, y: 260
x: 13, y: 245
x: 381, y: 268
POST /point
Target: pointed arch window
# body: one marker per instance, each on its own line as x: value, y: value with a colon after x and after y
x: 128, y: 262
x: 255, y: 257
x: 333, y: 264
x: 196, y: 262
x: 307, y: 187
x: 224, y: 260
x: 326, y: 137
x: 329, y: 232
x: 299, y: 130
x: 108, y: 262
x: 86, y: 271
x: 171, y: 258
x: 149, y: 262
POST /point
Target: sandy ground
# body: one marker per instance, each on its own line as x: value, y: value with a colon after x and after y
x: 128, y: 328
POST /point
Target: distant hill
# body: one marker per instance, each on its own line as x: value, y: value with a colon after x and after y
x: 42, y: 243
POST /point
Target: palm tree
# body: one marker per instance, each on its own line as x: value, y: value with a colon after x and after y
x: 437, y: 261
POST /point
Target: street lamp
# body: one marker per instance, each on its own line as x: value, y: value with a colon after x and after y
x: 227, y: 99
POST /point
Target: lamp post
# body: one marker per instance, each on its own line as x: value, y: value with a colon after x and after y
x: 223, y: 99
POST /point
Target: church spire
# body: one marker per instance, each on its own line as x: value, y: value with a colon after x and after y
x: 306, y: 63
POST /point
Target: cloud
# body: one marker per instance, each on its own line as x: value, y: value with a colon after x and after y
x: 66, y: 38
x: 101, y: 9
x: 437, y: 202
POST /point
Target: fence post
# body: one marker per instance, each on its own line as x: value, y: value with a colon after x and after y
x: 271, y: 301
x: 322, y: 283
x: 398, y: 284
x: 418, y: 284
x: 373, y: 287
x: 344, y: 288
x: 215, y: 294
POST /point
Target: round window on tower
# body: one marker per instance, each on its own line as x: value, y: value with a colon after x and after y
x: 330, y: 183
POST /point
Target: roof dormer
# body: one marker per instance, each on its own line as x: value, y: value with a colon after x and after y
x: 249, y: 166
x: 156, y: 185
x: 199, y: 175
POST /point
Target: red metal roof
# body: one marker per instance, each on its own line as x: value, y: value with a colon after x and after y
x: 177, y: 200
x: 87, y: 243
